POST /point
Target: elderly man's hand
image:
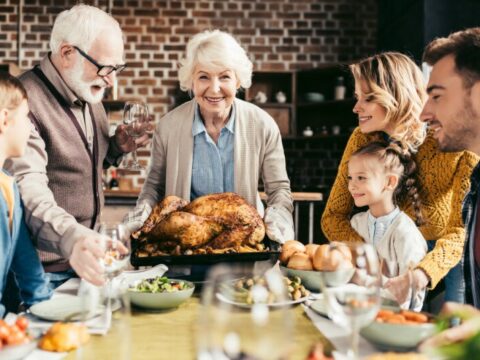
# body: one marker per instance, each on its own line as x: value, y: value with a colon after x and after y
x: 85, y: 259
x: 127, y: 143
x: 469, y: 327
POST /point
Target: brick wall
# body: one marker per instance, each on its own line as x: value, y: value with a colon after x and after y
x: 278, y: 34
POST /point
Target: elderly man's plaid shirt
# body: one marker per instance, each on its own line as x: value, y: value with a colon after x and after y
x: 472, y: 273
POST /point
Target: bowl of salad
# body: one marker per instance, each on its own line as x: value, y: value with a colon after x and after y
x: 160, y: 293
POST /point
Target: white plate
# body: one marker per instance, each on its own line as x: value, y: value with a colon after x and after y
x: 248, y: 306
x: 64, y: 308
x: 17, y: 352
x: 319, y: 305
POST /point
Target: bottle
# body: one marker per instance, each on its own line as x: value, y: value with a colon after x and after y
x: 340, y: 89
x: 113, y: 184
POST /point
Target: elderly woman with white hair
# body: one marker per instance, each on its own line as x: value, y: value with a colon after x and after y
x: 216, y: 142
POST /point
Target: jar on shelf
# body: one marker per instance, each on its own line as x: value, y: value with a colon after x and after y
x: 281, y: 97
x: 340, y: 89
x: 308, y: 131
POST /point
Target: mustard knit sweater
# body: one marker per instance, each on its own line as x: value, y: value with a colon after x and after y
x: 443, y: 181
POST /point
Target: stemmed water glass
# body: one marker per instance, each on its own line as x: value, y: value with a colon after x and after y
x: 235, y: 323
x: 112, y: 300
x: 355, y: 304
x: 406, y: 295
x: 116, y: 246
x: 135, y: 116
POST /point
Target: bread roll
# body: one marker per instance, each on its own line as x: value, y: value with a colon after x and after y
x: 289, y: 248
x: 300, y: 261
x: 331, y: 258
x: 310, y: 249
x: 62, y: 337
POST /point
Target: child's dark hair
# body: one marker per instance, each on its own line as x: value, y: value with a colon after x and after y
x: 397, y: 159
x: 12, y: 92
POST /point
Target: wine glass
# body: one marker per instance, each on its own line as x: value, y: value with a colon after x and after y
x: 135, y: 116
x: 110, y: 314
x: 236, y: 320
x: 355, y: 304
x: 404, y: 292
x: 116, y: 246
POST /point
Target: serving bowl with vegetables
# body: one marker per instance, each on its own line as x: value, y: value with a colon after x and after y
x: 160, y: 292
x: 241, y: 292
x: 399, y: 330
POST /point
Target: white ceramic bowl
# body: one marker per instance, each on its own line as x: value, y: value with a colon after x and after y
x: 17, y: 352
x: 314, y: 96
x: 397, y: 337
x: 312, y: 279
x: 162, y: 300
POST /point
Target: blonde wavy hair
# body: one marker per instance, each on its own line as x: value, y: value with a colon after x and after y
x: 396, y: 83
x: 215, y: 50
x: 12, y: 92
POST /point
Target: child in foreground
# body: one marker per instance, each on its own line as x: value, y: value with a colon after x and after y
x: 378, y: 175
x: 17, y: 253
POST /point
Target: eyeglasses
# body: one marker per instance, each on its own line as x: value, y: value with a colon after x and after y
x: 103, y: 70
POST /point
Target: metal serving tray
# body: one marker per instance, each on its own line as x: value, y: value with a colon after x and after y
x: 207, y: 259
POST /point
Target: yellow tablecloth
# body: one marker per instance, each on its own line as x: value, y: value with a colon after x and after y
x: 171, y: 335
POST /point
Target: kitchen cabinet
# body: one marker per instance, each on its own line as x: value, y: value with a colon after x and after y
x: 278, y: 99
x: 309, y: 100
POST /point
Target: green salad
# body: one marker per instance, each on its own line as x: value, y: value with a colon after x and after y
x: 160, y: 284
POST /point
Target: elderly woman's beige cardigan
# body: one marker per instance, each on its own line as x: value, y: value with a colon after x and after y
x: 258, y: 153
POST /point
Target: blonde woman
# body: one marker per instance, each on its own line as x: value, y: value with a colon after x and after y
x: 217, y: 142
x: 390, y: 96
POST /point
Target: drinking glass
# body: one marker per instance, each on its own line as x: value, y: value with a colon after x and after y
x: 405, y: 293
x: 355, y: 304
x: 112, y: 318
x: 135, y: 116
x: 236, y: 320
x: 116, y: 245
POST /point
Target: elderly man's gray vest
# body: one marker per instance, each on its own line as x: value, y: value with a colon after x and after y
x: 74, y: 172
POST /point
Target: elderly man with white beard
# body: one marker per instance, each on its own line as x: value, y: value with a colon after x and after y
x: 60, y: 176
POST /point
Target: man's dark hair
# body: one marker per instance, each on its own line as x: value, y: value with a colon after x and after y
x: 465, y: 48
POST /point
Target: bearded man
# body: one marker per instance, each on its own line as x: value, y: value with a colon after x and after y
x: 60, y: 176
x: 453, y: 112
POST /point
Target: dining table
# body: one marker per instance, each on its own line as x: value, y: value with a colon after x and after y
x: 171, y: 334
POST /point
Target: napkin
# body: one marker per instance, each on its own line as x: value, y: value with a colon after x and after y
x: 130, y: 277
x: 338, y: 336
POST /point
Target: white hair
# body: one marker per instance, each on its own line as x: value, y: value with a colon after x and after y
x: 216, y: 50
x: 80, y: 26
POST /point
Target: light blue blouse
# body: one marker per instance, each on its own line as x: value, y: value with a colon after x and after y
x: 377, y: 227
x: 213, y: 164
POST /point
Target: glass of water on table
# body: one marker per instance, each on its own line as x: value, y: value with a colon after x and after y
x: 355, y: 304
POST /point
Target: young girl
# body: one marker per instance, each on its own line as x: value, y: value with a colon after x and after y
x: 379, y: 174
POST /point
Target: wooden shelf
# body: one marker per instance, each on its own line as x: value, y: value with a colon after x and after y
x: 314, y: 137
x: 121, y: 193
x: 297, y: 113
x: 273, y: 105
x: 345, y: 102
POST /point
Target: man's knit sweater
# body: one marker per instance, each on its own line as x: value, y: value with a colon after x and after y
x: 443, y: 179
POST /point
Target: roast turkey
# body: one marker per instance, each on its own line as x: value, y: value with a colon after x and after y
x: 215, y: 223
